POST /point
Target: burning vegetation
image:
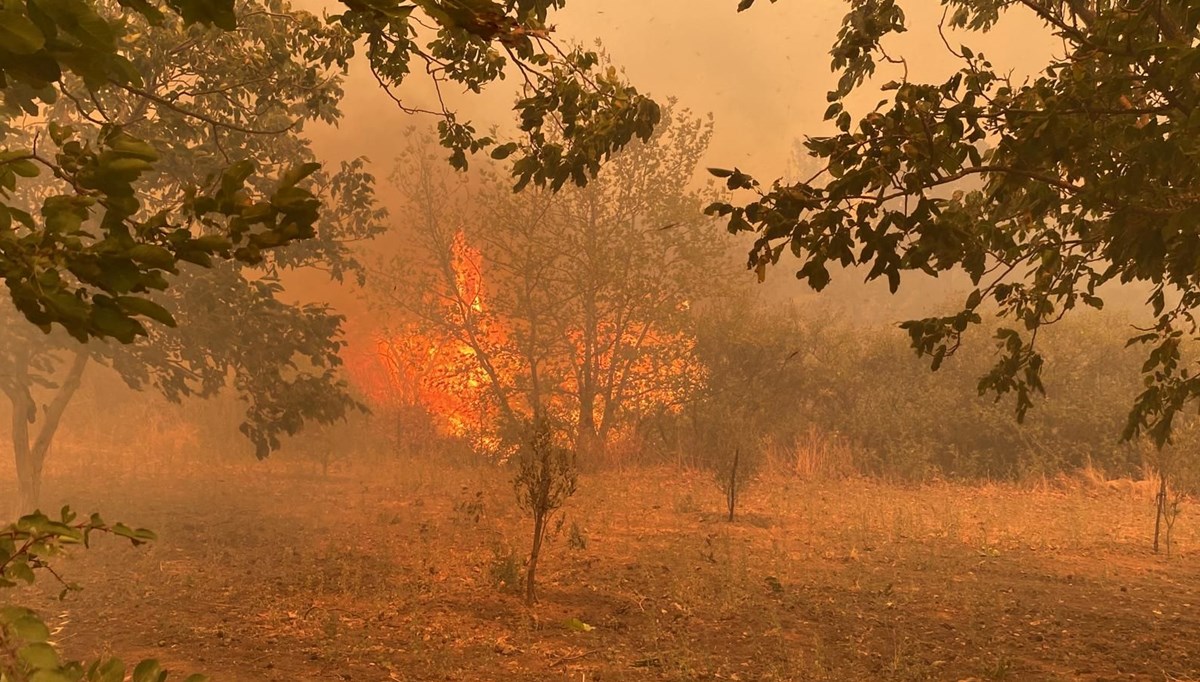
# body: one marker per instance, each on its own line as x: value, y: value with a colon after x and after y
x: 370, y: 404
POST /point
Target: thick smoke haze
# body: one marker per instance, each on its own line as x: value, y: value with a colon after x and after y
x: 762, y: 74
x: 393, y: 421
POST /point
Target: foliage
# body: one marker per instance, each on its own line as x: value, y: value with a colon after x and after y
x: 1042, y: 190
x: 576, y: 300
x: 238, y: 86
x: 576, y: 537
x: 95, y: 249
x: 780, y: 372
x: 546, y: 478
x: 505, y: 570
x: 27, y: 547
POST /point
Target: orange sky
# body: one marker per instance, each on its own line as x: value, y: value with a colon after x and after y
x: 763, y: 74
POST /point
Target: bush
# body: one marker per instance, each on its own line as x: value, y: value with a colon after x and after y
x: 784, y: 374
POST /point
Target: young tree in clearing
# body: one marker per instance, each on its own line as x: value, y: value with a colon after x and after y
x: 574, y: 302
x: 1088, y: 175
x: 546, y: 478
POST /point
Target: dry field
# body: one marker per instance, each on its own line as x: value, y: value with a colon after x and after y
x: 273, y: 572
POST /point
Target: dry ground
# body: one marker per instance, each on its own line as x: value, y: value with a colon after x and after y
x: 272, y: 572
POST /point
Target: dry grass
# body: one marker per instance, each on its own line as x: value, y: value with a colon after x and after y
x: 271, y: 572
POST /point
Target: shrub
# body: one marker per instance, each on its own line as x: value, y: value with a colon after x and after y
x: 546, y: 478
x: 27, y: 548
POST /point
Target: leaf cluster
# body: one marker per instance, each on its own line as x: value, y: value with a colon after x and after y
x: 111, y: 231
x: 1041, y: 191
x: 27, y: 547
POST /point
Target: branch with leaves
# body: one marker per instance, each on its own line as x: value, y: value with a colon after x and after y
x: 1081, y: 176
x: 89, y: 254
x: 28, y: 547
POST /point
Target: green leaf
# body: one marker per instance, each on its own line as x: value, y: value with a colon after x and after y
x: 127, y: 145
x: 113, y: 322
x: 576, y: 624
x: 294, y: 175
x: 974, y: 299
x: 213, y: 242
x: 503, y: 151
x: 39, y: 655
x: 148, y: 671
x: 129, y: 165
x: 154, y: 256
x: 31, y: 629
x: 18, y: 34
x: 112, y: 670
x: 148, y: 308
x: 20, y: 570
x: 51, y: 676
x: 24, y: 168
x: 235, y: 176
x: 291, y: 197
x: 146, y: 9
x: 217, y: 13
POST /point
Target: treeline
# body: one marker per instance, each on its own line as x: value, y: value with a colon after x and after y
x: 837, y: 396
x: 803, y: 387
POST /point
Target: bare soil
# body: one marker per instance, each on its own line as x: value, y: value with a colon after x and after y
x: 404, y: 572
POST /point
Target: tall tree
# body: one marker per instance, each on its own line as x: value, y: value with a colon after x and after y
x: 1041, y: 190
x: 572, y: 305
x: 227, y: 324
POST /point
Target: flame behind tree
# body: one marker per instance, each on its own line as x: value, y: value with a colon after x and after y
x: 571, y: 305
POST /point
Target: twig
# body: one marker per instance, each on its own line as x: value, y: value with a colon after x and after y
x: 574, y: 657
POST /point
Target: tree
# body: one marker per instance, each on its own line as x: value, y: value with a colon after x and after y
x: 95, y: 249
x: 227, y: 324
x: 546, y: 478
x: 1041, y: 191
x: 574, y: 303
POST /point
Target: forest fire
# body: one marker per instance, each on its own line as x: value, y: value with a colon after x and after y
x: 599, y: 445
x: 412, y: 366
x: 465, y: 372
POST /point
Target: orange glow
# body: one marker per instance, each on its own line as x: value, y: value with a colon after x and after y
x: 435, y: 368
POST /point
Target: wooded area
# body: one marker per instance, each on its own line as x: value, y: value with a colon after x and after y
x: 540, y: 364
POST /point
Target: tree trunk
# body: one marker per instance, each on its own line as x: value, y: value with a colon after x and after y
x: 539, y: 523
x: 587, y: 440
x: 29, y: 481
x: 31, y: 456
x: 1160, y: 509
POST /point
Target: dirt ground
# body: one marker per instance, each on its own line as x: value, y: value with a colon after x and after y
x: 273, y: 572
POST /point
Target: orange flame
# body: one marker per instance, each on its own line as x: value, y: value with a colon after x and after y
x: 419, y: 366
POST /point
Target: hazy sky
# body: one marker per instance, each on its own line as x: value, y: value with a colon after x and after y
x: 763, y: 74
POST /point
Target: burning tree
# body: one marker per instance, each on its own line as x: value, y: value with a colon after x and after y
x: 574, y: 303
